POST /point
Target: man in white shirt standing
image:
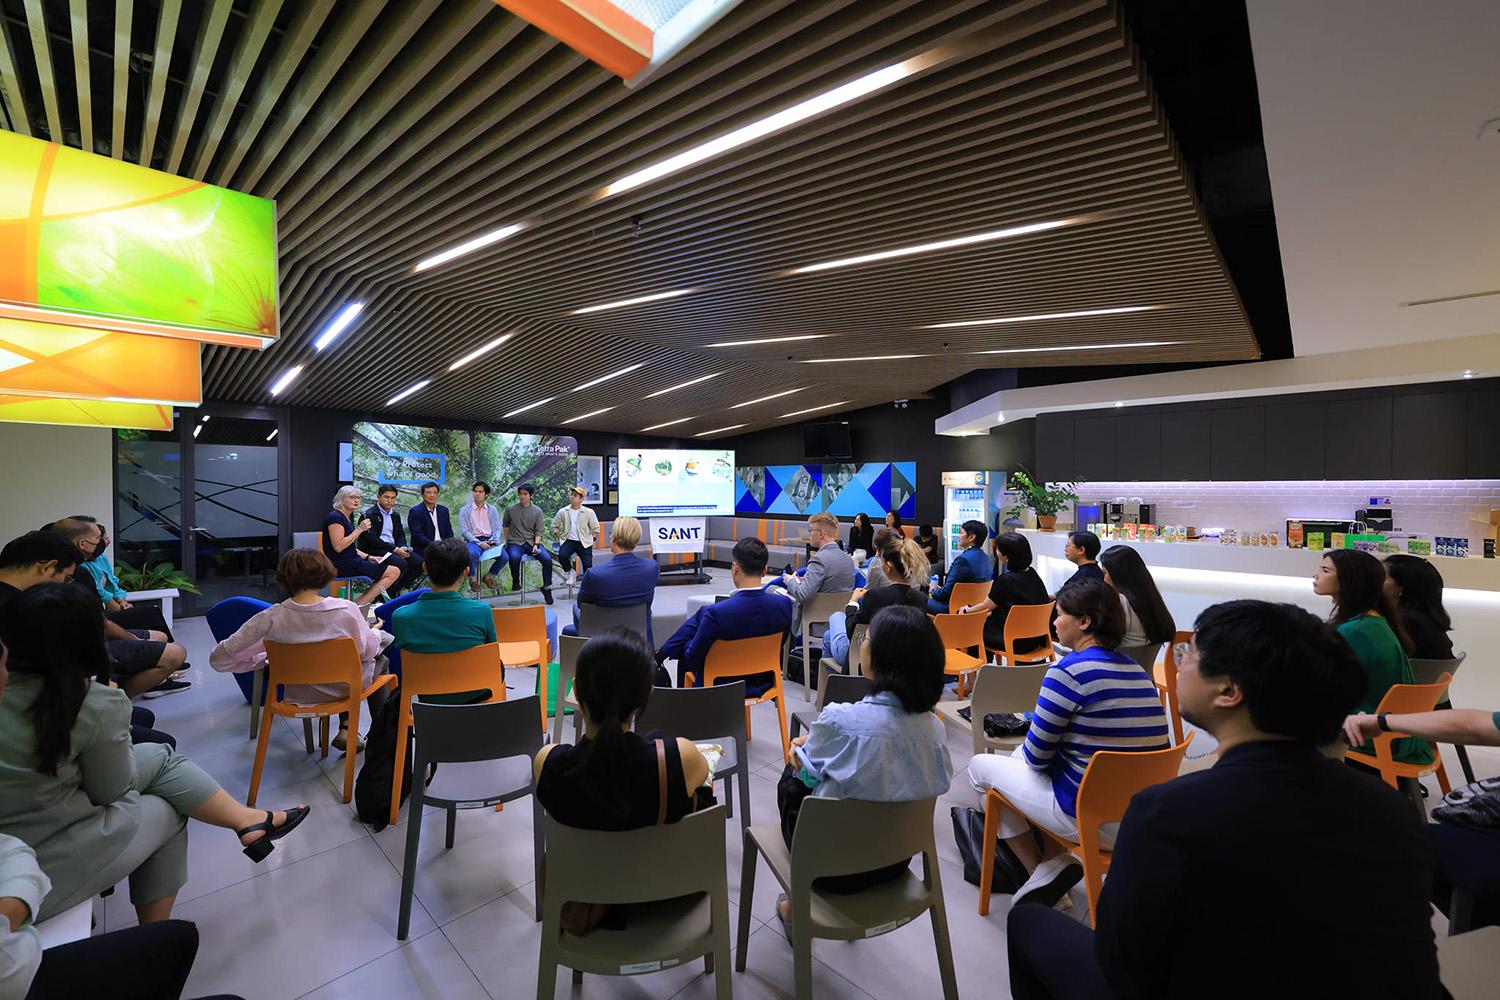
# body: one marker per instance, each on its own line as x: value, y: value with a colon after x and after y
x: 577, y: 526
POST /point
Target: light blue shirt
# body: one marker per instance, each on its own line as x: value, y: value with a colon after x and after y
x: 104, y: 576
x: 877, y: 751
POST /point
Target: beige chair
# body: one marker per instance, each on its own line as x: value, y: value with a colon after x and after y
x: 856, y: 642
x: 816, y: 610
x: 823, y: 846
x: 835, y: 689
x: 675, y: 884
x: 996, y: 689
x: 1144, y: 655
x: 567, y: 669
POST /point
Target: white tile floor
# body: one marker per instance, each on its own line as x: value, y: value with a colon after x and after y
x: 318, y: 918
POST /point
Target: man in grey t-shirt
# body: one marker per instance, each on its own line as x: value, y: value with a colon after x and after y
x: 523, y: 537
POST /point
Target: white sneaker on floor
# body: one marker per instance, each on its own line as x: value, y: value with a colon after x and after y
x: 1051, y: 880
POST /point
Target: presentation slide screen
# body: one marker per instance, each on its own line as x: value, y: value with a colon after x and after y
x: 672, y: 482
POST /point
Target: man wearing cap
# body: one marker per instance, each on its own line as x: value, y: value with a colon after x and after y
x: 577, y: 527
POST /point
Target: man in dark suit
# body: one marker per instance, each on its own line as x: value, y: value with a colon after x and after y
x: 1278, y: 872
x: 749, y: 612
x: 428, y: 521
x: 625, y: 580
x: 386, y: 536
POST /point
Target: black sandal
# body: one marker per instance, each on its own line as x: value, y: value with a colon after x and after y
x: 261, y: 849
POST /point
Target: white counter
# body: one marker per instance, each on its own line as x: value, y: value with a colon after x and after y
x: 1194, y: 575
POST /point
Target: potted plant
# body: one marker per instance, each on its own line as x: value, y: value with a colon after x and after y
x: 1044, y: 498
x: 162, y: 576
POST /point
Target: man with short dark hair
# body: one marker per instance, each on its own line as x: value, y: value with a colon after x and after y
x: 1081, y: 549
x: 117, y: 605
x: 1278, y: 871
x: 748, y: 612
x: 523, y: 537
x: 428, y: 521
x: 443, y: 620
x: 969, y: 566
x: 386, y: 536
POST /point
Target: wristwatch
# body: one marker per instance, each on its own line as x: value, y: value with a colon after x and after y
x: 1380, y: 721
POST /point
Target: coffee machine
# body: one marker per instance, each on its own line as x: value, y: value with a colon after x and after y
x: 1132, y: 511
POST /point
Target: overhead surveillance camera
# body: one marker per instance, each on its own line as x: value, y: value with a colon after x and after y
x: 899, y: 404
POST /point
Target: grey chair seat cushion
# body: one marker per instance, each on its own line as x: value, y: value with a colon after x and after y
x: 476, y: 781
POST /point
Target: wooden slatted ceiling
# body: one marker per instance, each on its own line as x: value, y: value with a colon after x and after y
x: 388, y: 132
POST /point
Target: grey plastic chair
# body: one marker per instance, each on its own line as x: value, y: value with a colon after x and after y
x: 816, y: 610
x: 1427, y: 672
x: 996, y: 690
x: 823, y: 846
x: 486, y: 751
x: 836, y: 689
x: 856, y: 642
x: 706, y: 714
x: 1144, y: 655
x: 567, y: 670
x: 596, y: 618
x: 677, y: 882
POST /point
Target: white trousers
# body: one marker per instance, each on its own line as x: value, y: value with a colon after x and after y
x: 1029, y: 790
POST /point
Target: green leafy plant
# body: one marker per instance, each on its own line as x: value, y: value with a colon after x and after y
x: 162, y: 576
x: 1044, y: 498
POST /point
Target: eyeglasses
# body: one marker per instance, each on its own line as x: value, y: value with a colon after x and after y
x: 1181, y: 651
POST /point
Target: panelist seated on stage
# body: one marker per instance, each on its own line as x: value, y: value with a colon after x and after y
x: 523, y: 537
x: 479, y: 523
x: 428, y: 521
x: 626, y: 580
x: 575, y: 527
x: 340, y: 544
x: 749, y: 612
x: 387, y: 535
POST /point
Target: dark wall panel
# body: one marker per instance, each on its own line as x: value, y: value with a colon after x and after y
x: 1358, y: 445
x: 1094, y: 448
x: 1184, y: 445
x: 1237, y: 443
x: 1054, y: 449
x: 1429, y: 436
x: 1138, y: 438
x: 1483, y: 447
x: 1294, y: 441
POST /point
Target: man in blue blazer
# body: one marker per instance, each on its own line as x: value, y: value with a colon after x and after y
x: 749, y: 612
x: 428, y: 522
x: 970, y: 565
x: 624, y: 580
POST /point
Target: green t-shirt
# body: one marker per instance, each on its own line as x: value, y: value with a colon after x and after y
x: 1385, y: 664
x: 444, y: 621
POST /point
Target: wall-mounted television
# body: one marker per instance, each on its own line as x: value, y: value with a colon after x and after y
x: 826, y: 440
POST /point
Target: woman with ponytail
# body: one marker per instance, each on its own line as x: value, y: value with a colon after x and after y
x: 903, y: 567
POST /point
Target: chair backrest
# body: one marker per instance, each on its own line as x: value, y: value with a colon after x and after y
x: 697, y: 713
x: 327, y: 661
x: 1428, y: 671
x: 527, y: 623
x: 491, y: 730
x: 742, y: 657
x: 1407, y: 699
x: 820, y: 607
x: 472, y: 669
x: 1029, y: 621
x: 675, y: 859
x: 1144, y: 655
x: 856, y: 642
x: 824, y: 845
x: 226, y: 616
x: 567, y: 670
x: 386, y: 609
x: 967, y: 592
x: 842, y: 689
x: 960, y: 631
x: 1000, y: 690
x: 596, y: 618
x: 1166, y: 676
x: 307, y: 540
x: 1112, y: 779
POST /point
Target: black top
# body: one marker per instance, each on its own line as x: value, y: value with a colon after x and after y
x: 568, y: 801
x: 372, y: 543
x: 6, y: 593
x: 1006, y: 591
x: 885, y: 597
x: 1231, y: 858
x: 1430, y: 639
x: 1088, y: 571
x: 929, y: 544
x: 862, y: 539
x: 347, y: 562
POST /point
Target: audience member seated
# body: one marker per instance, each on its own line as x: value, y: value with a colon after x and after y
x: 1081, y: 549
x: 888, y: 747
x: 428, y: 521
x: 1016, y: 583
x: 341, y: 546
x: 874, y: 570
x: 1417, y: 587
x: 523, y: 537
x: 142, y: 662
x: 576, y: 527
x: 906, y: 568
x: 444, y: 620
x: 971, y: 565
x: 386, y: 536
x: 608, y: 781
x: 1252, y: 849
x: 828, y: 571
x: 117, y: 608
x: 748, y: 612
x: 479, y: 523
x: 932, y: 547
x: 893, y: 521
x: 308, y: 616
x: 1369, y: 619
x: 1092, y: 699
x: 862, y: 539
x: 624, y: 581
x: 94, y: 808
x: 1147, y: 620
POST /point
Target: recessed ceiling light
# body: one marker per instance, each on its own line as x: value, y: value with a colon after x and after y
x: 585, y: 416
x: 1077, y: 347
x: 197, y: 430
x: 669, y: 423
x: 999, y: 418
x: 529, y: 406
x: 614, y: 374
x: 1468, y: 373
x: 718, y: 430
x: 340, y: 323
x: 418, y: 387
x: 274, y: 432
x: 287, y: 378
x: 862, y: 357
x: 204, y: 419
x: 480, y: 352
x: 477, y: 243
x: 813, y: 409
x: 1078, y: 314
x: 1118, y: 404
x: 957, y: 241
x: 682, y: 385
x: 768, y: 340
x: 767, y: 399
x: 656, y: 297
x: 827, y: 101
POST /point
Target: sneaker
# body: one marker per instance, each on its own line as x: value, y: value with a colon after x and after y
x: 1051, y: 880
x: 340, y: 742
x: 167, y: 687
x: 572, y: 577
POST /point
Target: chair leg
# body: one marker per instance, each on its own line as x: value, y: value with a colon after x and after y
x: 351, y: 749
x: 266, y: 719
x: 403, y: 736
x: 257, y: 691
x: 747, y: 896
x: 307, y: 734
x: 748, y: 737
x: 409, y: 869
x: 323, y: 736
x: 1413, y: 789
x: 1463, y: 761
x: 944, y: 947
x: 1442, y: 772
x: 538, y: 852
x: 577, y: 977
x: 801, y: 952
x: 452, y: 823
x: 987, y: 857
x: 546, y: 974
x: 717, y: 961
x: 729, y: 796
x: 744, y: 798
x: 786, y: 742
x: 1460, y: 912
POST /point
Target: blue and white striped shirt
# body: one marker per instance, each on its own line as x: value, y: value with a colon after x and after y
x: 1095, y: 699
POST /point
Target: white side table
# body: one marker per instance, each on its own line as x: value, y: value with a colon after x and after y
x: 166, y: 597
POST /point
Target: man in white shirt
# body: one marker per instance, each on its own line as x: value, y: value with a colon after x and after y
x: 577, y: 526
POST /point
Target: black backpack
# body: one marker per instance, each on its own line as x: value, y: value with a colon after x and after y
x: 372, y: 786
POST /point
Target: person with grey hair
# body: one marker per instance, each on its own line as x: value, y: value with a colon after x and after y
x: 340, y: 536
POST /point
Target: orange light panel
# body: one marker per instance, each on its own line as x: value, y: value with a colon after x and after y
x: 47, y: 359
x: 84, y: 413
x: 593, y: 28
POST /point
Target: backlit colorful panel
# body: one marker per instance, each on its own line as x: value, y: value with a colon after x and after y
x: 49, y: 359
x: 85, y: 413
x: 842, y: 490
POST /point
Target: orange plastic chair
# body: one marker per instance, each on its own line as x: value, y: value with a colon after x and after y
x: 523, y: 643
x: 1166, y: 677
x: 1026, y: 621
x: 1406, y: 699
x: 1110, y: 782
x: 961, y: 633
x: 733, y: 658
x: 475, y: 669
x: 970, y: 592
x: 330, y: 661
